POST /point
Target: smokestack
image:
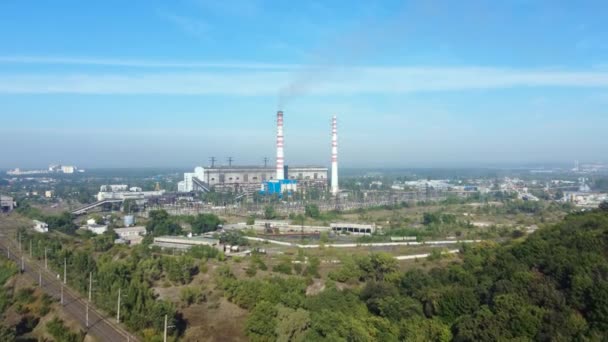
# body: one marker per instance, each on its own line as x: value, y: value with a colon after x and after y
x: 334, y: 157
x: 280, y: 154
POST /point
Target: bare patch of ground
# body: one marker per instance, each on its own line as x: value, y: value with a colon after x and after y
x: 216, y: 320
x: 315, y: 288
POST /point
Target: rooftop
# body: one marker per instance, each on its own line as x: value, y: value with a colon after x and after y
x: 258, y: 167
x: 130, y: 229
x: 187, y: 240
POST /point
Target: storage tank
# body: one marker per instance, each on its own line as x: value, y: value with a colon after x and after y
x: 129, y: 220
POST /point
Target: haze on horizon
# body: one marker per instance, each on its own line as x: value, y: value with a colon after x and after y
x: 414, y: 84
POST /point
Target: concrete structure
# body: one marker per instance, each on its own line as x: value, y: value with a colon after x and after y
x: 184, y: 242
x: 257, y: 175
x: 114, y: 188
x: 584, y: 199
x: 353, y: 228
x: 190, y: 180
x: 334, y: 157
x: 280, y: 141
x: 48, y: 194
x: 41, y: 227
x: 129, y: 220
x: 86, y: 208
x: 120, y: 192
x: 250, y: 178
x: 357, y: 245
x: 132, y: 235
x: 67, y: 169
x: 7, y: 204
x: 96, y: 228
x: 403, y: 238
x: 19, y: 172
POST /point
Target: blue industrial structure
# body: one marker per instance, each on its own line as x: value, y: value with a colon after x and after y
x: 278, y: 187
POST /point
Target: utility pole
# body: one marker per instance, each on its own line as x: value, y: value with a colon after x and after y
x: 61, y: 292
x: 40, y: 276
x: 22, y: 264
x: 87, y: 318
x: 165, y: 335
x: 118, y: 308
x: 212, y: 159
x: 65, y: 270
x: 19, y: 241
x: 230, y: 161
x: 265, y: 161
x: 46, y: 260
x: 30, y: 248
x: 90, y: 284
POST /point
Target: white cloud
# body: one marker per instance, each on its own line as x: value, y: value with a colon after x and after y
x: 343, y: 81
x: 137, y: 63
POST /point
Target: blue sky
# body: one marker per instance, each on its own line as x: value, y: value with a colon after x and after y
x: 414, y: 84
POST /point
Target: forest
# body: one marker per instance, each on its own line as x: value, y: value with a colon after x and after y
x: 551, y: 286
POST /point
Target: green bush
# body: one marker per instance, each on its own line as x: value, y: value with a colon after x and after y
x: 60, y: 332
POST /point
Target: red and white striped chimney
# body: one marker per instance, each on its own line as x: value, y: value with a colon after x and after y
x: 334, y: 157
x: 280, y: 154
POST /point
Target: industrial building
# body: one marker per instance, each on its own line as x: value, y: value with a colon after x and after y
x: 130, y: 235
x: 353, y: 228
x: 122, y: 192
x: 249, y: 178
x: 97, y: 229
x: 7, y: 204
x: 267, y: 179
x: 184, y: 242
x: 68, y: 169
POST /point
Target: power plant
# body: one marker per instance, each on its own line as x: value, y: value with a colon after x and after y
x: 334, y: 157
x: 266, y: 179
x: 280, y: 142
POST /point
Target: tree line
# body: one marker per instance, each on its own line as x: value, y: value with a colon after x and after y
x: 553, y: 286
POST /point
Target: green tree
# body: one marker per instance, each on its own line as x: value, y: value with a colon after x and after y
x: 377, y: 266
x: 430, y: 218
x: 312, y: 210
x: 204, y: 223
x: 291, y: 324
x: 269, y: 213
x: 456, y: 302
x: 61, y: 332
x: 160, y: 223
x: 418, y: 329
x: 261, y: 324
